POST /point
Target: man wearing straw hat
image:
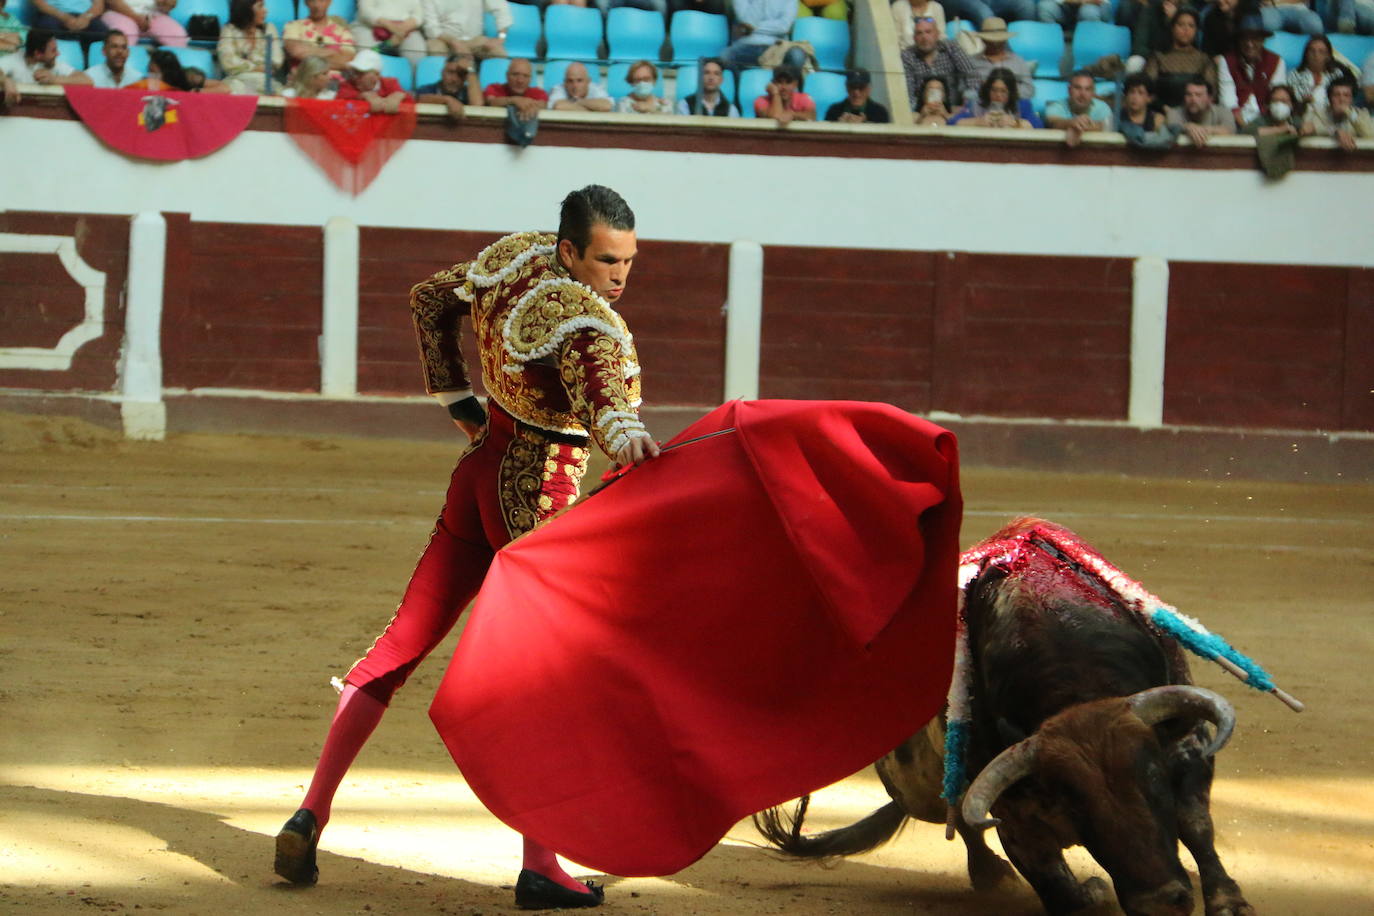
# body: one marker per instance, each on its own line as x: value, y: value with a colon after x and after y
x: 997, y: 54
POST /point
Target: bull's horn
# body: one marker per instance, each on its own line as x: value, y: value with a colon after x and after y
x: 1159, y: 703
x: 1005, y: 769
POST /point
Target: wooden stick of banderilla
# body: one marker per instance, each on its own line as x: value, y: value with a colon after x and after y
x: 1240, y: 673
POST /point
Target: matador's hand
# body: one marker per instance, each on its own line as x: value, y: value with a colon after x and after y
x: 636, y: 450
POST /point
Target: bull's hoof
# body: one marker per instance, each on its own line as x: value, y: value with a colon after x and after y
x: 1095, y: 892
x: 991, y: 873
x: 1229, y: 905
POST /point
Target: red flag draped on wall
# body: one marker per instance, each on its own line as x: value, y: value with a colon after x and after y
x: 346, y: 139
x: 162, y: 125
x: 738, y: 622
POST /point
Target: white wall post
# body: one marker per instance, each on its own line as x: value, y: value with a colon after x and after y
x: 1149, y: 324
x: 743, y: 321
x: 140, y: 361
x: 339, y: 337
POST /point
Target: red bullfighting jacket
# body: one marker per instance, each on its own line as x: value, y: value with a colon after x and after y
x: 554, y: 354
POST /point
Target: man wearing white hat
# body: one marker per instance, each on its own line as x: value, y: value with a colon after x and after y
x: 997, y: 54
x: 363, y: 80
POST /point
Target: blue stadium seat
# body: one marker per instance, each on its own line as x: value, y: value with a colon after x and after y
x: 572, y: 32
x: 69, y: 50
x: 138, y: 56
x: 696, y: 35
x: 1289, y: 46
x: 634, y: 34
x: 400, y: 69
x: 1046, y: 91
x: 1094, y: 40
x: 954, y: 26
x: 347, y: 10
x: 688, y: 78
x: 185, y: 9
x: 826, y: 88
x: 429, y: 69
x: 21, y: 10
x: 522, y: 38
x: 200, y: 58
x: 1356, y: 48
x: 829, y: 39
x: 493, y: 69
x: 617, y: 84
x: 1040, y: 42
x: 280, y: 12
x: 752, y: 84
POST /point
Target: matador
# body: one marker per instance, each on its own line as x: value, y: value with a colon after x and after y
x: 560, y: 371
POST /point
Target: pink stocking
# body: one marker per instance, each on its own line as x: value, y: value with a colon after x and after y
x: 543, y: 860
x: 354, y: 721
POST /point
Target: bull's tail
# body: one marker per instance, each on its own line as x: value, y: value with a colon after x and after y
x: 783, y: 830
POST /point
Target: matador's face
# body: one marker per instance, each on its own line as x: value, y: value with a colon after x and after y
x: 605, y: 264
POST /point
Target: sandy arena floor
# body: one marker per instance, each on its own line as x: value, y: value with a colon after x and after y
x: 172, y: 613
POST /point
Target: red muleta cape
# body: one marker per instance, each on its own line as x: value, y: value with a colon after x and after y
x: 736, y: 623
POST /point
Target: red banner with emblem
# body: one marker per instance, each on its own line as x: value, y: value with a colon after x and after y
x: 162, y: 125
x: 348, y: 140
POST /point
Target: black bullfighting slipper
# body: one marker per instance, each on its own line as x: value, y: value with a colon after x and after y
x: 296, y: 849
x: 535, y: 892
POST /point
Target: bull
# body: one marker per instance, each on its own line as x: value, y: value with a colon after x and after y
x: 1085, y: 729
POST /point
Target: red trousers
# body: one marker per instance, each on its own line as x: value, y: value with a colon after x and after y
x: 510, y: 479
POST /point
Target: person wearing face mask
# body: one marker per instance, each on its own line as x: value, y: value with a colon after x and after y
x: 642, y: 78
x: 1276, y: 132
x: 1246, y: 73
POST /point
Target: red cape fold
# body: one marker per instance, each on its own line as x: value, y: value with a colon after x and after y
x: 162, y: 125
x: 743, y: 620
x: 346, y: 139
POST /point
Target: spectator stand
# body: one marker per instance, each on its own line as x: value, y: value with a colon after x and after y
x: 185, y: 9
x: 1041, y: 43
x: 695, y: 35
x: 1289, y: 46
x: 826, y: 88
x: 829, y: 38
x: 489, y: 72
x: 399, y: 69
x: 573, y: 33
x: 522, y: 38
x: 752, y: 84
x: 1093, y: 41
x: 280, y: 12
x: 1354, y: 48
x: 201, y: 58
x: 634, y: 34
x: 69, y: 51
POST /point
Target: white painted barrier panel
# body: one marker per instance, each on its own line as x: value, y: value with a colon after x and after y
x: 743, y: 321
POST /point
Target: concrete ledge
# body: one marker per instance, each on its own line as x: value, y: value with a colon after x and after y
x: 1046, y: 445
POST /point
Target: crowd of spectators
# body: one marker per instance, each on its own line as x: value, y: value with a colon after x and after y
x: 1193, y: 73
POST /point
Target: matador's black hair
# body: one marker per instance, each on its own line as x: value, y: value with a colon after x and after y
x: 591, y: 206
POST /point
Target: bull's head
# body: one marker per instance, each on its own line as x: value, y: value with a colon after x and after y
x: 1102, y: 768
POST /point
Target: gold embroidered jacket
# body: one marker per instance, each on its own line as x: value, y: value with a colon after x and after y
x: 554, y: 354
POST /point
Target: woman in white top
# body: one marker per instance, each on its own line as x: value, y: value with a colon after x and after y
x: 246, y: 42
x: 906, y: 12
x: 392, y: 27
x: 136, y: 18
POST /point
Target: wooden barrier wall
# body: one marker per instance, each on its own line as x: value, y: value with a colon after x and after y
x: 973, y: 334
